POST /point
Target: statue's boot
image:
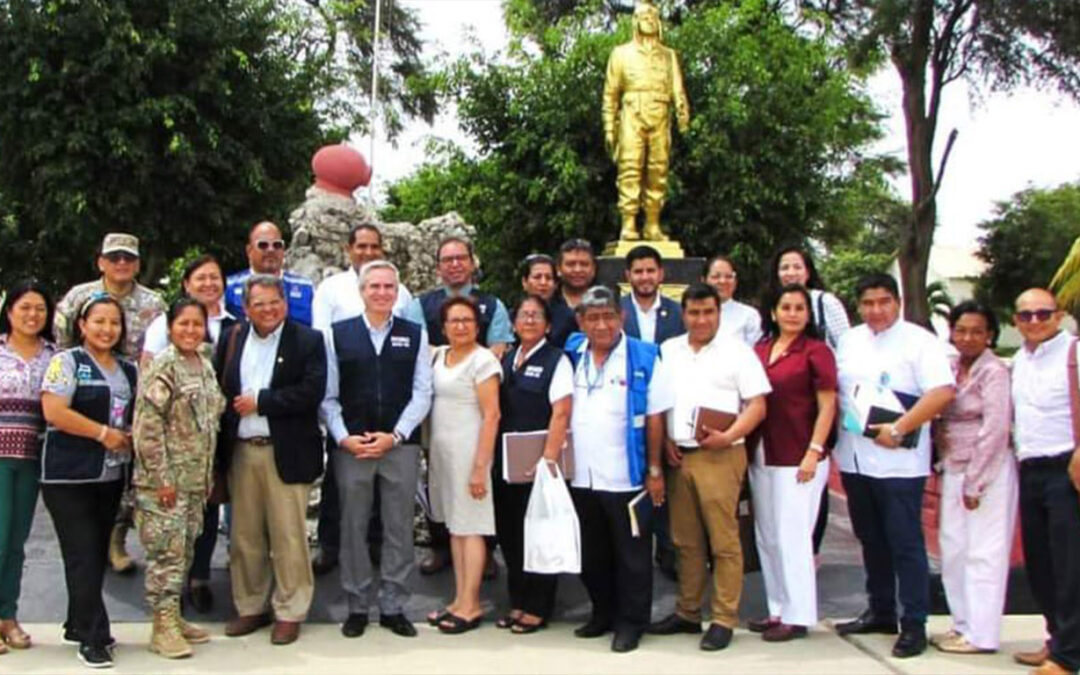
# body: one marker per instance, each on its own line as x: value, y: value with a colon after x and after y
x: 652, y: 227
x: 629, y: 229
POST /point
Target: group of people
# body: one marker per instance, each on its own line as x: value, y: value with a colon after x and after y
x: 249, y: 386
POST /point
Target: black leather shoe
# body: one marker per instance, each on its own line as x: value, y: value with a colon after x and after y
x: 716, y: 638
x: 324, y: 563
x: 672, y: 624
x: 912, y: 642
x: 354, y: 626
x: 595, y: 628
x: 625, y: 641
x: 201, y: 598
x: 868, y: 622
x: 398, y: 625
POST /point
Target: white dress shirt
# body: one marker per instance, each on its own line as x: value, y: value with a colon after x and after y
x: 1040, y: 391
x: 157, y: 333
x: 256, y: 370
x: 905, y: 358
x: 338, y: 297
x: 646, y: 318
x: 722, y: 375
x: 741, y: 321
x: 562, y: 381
x: 415, y: 410
x: 598, y: 420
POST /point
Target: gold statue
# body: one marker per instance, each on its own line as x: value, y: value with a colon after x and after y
x: 643, y: 83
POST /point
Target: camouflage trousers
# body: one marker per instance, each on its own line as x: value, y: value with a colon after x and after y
x: 168, y: 537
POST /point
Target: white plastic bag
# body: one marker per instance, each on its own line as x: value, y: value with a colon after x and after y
x: 552, y: 535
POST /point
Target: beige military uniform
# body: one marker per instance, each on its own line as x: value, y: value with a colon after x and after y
x: 141, y: 306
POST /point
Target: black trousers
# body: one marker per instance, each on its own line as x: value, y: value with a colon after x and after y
x: 615, y: 566
x: 532, y: 593
x: 205, y: 544
x: 886, y: 514
x: 83, y: 516
x: 1050, y: 523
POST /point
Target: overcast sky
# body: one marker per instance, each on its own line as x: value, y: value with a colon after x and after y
x: 1005, y: 143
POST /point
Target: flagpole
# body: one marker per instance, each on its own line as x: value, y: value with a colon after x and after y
x: 374, y: 93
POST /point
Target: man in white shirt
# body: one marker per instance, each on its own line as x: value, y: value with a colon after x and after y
x: 720, y: 372
x: 1049, y: 454
x: 337, y: 298
x: 903, y: 369
x: 620, y: 395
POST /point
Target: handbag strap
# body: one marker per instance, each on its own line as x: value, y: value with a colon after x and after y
x: 1074, y: 391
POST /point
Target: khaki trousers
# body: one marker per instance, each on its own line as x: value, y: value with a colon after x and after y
x: 704, y: 499
x: 269, y: 562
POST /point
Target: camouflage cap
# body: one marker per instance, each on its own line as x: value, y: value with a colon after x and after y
x: 120, y: 241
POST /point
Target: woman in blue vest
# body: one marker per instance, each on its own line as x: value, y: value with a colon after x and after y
x: 87, y: 397
x: 537, y: 387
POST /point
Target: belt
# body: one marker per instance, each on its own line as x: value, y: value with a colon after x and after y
x: 257, y: 440
x: 687, y: 449
x: 1059, y: 461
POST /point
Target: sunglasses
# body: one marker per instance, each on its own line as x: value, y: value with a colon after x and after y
x: 120, y: 256
x: 1029, y: 315
x: 264, y: 245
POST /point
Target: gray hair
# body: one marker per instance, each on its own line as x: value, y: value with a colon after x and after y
x: 597, y: 297
x: 373, y: 265
x: 264, y: 281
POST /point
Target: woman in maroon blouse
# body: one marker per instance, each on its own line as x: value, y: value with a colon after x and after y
x: 790, y: 466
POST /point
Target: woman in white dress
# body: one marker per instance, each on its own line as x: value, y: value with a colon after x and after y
x: 464, y: 422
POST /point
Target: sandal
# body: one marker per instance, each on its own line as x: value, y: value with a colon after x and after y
x: 13, y: 634
x: 438, y: 616
x: 520, y: 628
x: 452, y: 624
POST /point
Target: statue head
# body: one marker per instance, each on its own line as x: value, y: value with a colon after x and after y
x: 647, y: 20
x: 340, y: 169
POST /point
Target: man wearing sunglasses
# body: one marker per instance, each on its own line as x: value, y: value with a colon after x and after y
x: 118, y: 262
x: 1048, y: 446
x: 266, y: 255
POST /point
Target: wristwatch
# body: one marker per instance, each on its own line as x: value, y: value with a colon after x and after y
x: 897, y: 436
x: 655, y: 471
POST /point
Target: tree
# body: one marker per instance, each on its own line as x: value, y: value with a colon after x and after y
x: 777, y: 135
x: 932, y: 43
x: 1025, y: 242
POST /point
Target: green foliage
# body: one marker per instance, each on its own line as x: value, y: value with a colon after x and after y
x: 172, y: 286
x: 843, y: 269
x: 937, y: 296
x: 777, y: 130
x: 1026, y: 241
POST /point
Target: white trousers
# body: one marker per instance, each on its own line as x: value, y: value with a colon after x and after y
x: 784, y: 515
x: 975, y: 548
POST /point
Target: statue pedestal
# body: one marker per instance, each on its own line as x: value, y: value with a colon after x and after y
x: 670, y: 249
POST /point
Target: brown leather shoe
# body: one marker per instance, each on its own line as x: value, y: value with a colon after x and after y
x: 1050, y: 667
x: 285, y: 632
x: 246, y: 625
x: 1035, y: 658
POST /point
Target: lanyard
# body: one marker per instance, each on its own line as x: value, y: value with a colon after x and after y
x: 590, y: 383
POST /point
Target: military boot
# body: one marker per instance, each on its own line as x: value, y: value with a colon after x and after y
x: 119, y: 559
x: 629, y: 229
x: 166, y: 639
x: 652, y: 227
x: 192, y: 634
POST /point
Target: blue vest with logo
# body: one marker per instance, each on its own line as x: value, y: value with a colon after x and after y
x: 432, y: 302
x: 523, y: 395
x: 67, y: 458
x: 640, y: 362
x: 375, y: 388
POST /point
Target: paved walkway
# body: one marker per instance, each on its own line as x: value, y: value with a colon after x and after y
x: 321, y: 649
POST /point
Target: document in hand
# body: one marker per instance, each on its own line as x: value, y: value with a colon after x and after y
x: 869, y: 405
x: 523, y: 449
x: 641, y: 510
x: 712, y: 418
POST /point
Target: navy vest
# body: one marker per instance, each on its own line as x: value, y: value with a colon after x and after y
x: 67, y: 458
x: 432, y: 303
x: 523, y: 395
x: 374, y: 389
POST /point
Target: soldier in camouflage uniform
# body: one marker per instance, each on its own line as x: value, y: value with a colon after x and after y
x: 175, y: 434
x: 118, y: 262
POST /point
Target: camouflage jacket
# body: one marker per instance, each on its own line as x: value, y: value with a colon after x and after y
x: 141, y: 306
x: 176, y: 423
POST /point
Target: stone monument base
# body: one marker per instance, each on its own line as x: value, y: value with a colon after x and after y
x: 670, y: 249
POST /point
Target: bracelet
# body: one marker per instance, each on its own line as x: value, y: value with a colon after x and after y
x: 817, y: 447
x: 104, y: 432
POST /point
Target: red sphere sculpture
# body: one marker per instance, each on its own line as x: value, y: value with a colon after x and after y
x: 340, y: 169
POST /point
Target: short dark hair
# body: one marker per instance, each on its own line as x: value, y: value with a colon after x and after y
x: 459, y: 300
x: 877, y: 280
x: 575, y: 244
x: 102, y: 298
x: 533, y: 260
x: 453, y: 239
x: 532, y: 297
x: 769, y: 326
x: 597, y: 297
x: 641, y: 253
x: 356, y: 229
x: 700, y: 291
x: 719, y: 257
x: 263, y: 281
x: 179, y: 305
x: 204, y: 259
x: 973, y: 307
x: 15, y: 293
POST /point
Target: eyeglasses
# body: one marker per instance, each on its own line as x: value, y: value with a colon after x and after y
x: 1029, y: 315
x: 530, y: 317
x: 266, y: 245
x: 120, y: 256
x: 451, y: 259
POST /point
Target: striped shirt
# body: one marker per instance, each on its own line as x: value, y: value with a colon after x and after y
x: 21, y: 420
